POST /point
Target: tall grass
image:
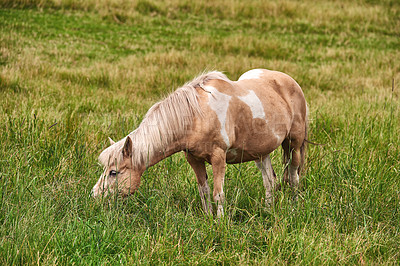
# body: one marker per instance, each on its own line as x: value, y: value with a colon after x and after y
x: 74, y: 72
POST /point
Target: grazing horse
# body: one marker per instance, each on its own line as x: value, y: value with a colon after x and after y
x: 215, y: 120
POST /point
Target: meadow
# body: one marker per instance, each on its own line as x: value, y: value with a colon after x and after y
x: 74, y: 72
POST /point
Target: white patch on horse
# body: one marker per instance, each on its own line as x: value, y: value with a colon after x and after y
x: 232, y: 154
x: 254, y: 103
x: 95, y: 190
x: 252, y: 74
x: 219, y: 103
x: 278, y: 139
x: 277, y: 136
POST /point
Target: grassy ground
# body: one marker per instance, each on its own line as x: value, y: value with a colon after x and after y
x: 74, y: 72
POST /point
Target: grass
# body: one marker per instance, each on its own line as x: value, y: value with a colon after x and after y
x: 74, y: 72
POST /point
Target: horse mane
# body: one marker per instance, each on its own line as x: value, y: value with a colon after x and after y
x: 164, y: 122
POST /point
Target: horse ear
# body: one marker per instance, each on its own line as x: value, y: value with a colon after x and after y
x: 127, y: 150
x: 111, y: 141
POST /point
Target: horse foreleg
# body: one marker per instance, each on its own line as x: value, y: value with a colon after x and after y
x: 269, y: 178
x: 218, y: 160
x: 199, y: 169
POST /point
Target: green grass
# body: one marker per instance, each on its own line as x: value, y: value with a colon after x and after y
x: 74, y: 72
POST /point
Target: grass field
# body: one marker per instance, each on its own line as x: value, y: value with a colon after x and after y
x: 74, y: 72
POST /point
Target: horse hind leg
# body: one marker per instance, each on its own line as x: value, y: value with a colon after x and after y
x: 294, y: 165
x: 269, y: 178
x: 293, y: 159
x: 286, y: 159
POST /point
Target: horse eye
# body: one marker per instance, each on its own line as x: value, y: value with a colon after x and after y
x: 113, y: 173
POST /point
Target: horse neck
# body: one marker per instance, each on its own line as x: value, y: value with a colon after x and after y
x: 149, y: 155
x: 162, y: 154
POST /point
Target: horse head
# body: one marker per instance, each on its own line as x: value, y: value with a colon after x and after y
x: 119, y: 173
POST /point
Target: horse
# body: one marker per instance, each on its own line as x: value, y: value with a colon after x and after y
x: 216, y: 120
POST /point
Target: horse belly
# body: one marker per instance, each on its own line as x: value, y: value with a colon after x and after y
x: 234, y: 156
x: 254, y: 140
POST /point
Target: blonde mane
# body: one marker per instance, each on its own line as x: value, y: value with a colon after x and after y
x: 165, y: 121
